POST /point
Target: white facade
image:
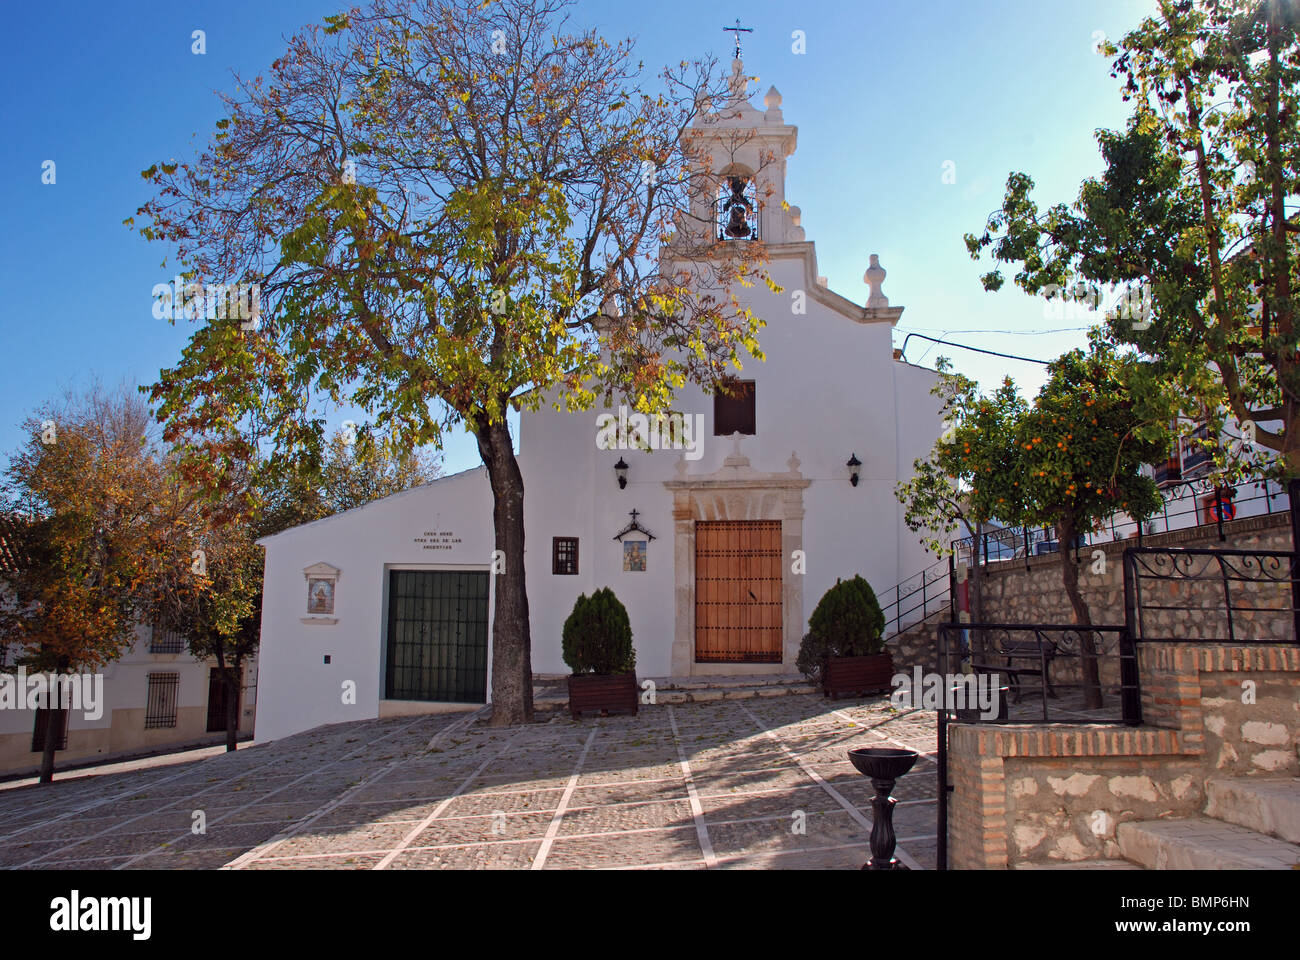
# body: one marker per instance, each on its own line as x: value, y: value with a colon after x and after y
x: 830, y: 388
x: 124, y: 726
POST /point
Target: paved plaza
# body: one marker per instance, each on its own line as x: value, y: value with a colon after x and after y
x: 754, y: 783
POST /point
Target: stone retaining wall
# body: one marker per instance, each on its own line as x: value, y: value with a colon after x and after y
x: 1014, y: 594
x: 1044, y: 793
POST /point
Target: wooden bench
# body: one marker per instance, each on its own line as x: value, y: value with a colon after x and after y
x: 1020, y: 658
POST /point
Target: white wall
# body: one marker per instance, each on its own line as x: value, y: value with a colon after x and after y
x: 829, y: 388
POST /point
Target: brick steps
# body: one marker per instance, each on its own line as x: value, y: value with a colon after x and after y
x: 1266, y: 805
x: 1203, y: 843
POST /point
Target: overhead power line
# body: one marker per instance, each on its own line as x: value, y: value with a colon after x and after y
x: 962, y: 346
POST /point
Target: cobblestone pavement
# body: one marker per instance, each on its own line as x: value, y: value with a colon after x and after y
x: 761, y: 783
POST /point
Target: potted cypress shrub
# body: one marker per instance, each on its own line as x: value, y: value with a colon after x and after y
x: 844, y: 649
x: 598, y: 649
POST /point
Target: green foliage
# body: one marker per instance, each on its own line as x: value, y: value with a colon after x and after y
x: 598, y: 636
x: 1082, y: 444
x: 350, y: 475
x: 847, y: 622
x: 1189, y: 217
x: 965, y: 479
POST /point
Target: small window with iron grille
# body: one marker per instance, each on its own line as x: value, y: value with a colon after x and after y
x: 564, y: 557
x: 160, y: 702
x: 165, y: 640
x: 45, y: 719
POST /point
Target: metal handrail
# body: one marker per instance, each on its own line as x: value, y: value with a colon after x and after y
x: 1178, y: 501
x: 932, y: 590
x: 1043, y: 650
x: 1224, y: 568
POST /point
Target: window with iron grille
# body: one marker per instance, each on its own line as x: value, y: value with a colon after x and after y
x: 160, y: 701
x: 45, y: 718
x: 733, y: 411
x: 166, y: 641
x: 564, y: 556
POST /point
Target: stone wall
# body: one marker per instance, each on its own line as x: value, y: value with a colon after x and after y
x: 1014, y: 594
x: 1045, y: 793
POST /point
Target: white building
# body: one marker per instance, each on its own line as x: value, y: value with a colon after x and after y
x: 394, y: 599
x: 155, y: 698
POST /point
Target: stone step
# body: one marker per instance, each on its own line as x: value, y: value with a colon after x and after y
x: 1202, y: 843
x: 676, y: 690
x: 1268, y: 805
x: 722, y: 683
x: 1083, y: 865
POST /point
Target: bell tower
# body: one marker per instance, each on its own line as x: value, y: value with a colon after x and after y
x: 740, y: 152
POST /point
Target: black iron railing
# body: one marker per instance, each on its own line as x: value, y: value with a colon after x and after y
x: 919, y: 596
x: 1189, y: 503
x: 1043, y: 662
x: 1048, y: 672
x: 1230, y: 596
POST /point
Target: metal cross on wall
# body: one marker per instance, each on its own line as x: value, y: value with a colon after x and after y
x: 738, y: 30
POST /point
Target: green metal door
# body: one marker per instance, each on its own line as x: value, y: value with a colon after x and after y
x: 437, y: 636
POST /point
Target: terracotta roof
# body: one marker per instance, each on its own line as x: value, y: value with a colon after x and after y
x: 8, y: 544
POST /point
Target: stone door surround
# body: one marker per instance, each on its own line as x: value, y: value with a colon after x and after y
x: 736, y: 491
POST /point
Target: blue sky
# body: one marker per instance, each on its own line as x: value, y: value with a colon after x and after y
x: 885, y: 96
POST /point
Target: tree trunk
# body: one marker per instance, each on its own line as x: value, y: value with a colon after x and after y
x: 230, y: 684
x: 512, y: 667
x: 233, y: 679
x: 53, y: 729
x: 1092, y: 699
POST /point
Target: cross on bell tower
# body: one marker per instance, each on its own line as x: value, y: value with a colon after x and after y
x: 738, y: 30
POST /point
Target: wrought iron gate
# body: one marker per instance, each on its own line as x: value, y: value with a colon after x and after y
x: 437, y: 636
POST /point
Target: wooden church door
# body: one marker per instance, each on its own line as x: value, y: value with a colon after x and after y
x: 738, y: 578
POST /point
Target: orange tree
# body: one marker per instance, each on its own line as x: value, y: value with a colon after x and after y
x: 968, y: 477
x: 452, y: 209
x: 1079, y: 450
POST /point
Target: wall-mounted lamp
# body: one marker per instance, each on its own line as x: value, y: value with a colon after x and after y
x: 855, y: 469
x: 620, y: 468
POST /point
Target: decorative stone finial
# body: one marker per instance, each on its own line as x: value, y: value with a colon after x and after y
x: 874, y: 278
x: 739, y: 83
x: 773, y: 99
x: 793, y: 463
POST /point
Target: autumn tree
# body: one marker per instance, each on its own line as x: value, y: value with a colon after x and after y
x: 1192, y: 221
x: 353, y: 471
x: 84, y: 493
x: 450, y: 207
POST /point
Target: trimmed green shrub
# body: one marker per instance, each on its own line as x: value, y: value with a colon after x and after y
x: 847, y: 622
x: 598, y: 636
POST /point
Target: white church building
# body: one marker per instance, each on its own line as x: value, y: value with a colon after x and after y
x: 720, y: 553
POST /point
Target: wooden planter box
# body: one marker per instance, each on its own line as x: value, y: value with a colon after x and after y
x: 868, y: 674
x: 590, y: 693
